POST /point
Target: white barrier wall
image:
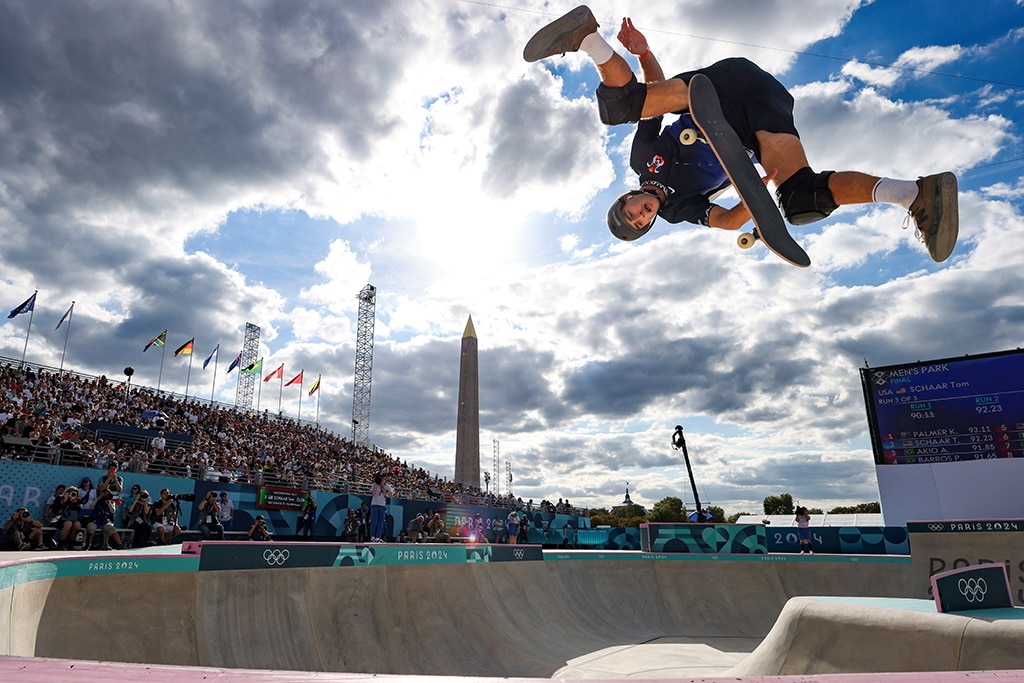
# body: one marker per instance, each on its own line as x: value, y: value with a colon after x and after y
x: 982, y: 489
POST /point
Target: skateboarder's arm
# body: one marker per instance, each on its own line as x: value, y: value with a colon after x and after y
x: 635, y: 41
x: 728, y: 219
x: 737, y: 216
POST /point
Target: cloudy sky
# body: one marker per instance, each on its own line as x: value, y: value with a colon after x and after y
x: 195, y: 166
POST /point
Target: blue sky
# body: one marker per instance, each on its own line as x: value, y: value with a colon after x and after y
x: 194, y: 166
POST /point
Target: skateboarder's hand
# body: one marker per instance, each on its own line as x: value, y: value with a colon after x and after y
x: 631, y: 38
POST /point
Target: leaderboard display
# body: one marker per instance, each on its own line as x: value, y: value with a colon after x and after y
x: 950, y: 410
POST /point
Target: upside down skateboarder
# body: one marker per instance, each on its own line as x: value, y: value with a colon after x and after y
x: 678, y: 181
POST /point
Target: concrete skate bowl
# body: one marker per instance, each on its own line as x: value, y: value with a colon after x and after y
x: 499, y: 620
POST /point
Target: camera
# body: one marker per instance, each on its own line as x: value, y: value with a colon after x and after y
x: 24, y: 514
x: 187, y: 497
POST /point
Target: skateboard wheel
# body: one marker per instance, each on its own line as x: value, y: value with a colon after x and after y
x: 689, y: 136
x: 746, y: 240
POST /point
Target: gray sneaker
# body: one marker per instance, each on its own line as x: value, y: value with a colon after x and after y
x: 936, y: 215
x: 562, y: 35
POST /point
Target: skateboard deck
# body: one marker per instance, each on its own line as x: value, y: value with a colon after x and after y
x: 771, y: 228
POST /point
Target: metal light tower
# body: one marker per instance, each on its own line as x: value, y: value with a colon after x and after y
x: 508, y: 478
x: 364, y: 366
x: 496, y: 465
x: 250, y: 353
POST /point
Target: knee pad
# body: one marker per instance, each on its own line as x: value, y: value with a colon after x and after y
x: 805, y: 197
x: 621, y: 105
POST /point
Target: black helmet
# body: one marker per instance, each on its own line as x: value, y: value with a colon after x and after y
x: 617, y: 222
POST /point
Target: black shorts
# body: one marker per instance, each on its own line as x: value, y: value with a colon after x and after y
x: 752, y: 99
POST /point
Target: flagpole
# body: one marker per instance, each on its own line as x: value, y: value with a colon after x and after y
x: 67, y: 333
x: 318, y: 402
x: 298, y: 418
x: 28, y: 333
x: 163, y: 352
x: 259, y: 390
x: 280, y: 388
x: 188, y: 377
x: 216, y: 361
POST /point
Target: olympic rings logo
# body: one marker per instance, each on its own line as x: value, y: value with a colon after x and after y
x: 936, y: 527
x: 274, y: 556
x: 518, y: 554
x: 972, y: 589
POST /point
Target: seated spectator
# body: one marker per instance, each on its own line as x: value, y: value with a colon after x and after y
x: 21, y: 532
x: 227, y: 512
x: 86, y: 497
x: 414, y: 530
x: 209, y: 517
x: 258, y: 531
x: 103, y: 518
x: 126, y: 508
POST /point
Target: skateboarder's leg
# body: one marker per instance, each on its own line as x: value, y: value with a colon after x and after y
x: 931, y: 201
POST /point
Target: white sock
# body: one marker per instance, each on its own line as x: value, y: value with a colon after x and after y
x: 597, y: 48
x: 889, y: 191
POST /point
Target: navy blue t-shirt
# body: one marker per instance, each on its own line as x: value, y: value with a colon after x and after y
x: 691, y: 173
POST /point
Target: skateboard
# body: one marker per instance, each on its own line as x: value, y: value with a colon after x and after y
x: 771, y: 229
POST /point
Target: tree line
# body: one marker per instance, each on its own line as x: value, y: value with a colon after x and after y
x: 672, y: 509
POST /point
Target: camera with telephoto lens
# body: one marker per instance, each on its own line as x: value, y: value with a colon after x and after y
x: 186, y: 497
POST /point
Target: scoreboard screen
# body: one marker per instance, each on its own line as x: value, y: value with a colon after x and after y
x: 951, y: 410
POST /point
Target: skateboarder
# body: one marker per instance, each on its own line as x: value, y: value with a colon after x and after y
x: 679, y: 181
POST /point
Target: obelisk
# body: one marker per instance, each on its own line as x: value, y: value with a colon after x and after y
x: 467, y: 431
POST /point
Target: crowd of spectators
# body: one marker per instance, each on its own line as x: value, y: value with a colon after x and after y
x: 46, y: 413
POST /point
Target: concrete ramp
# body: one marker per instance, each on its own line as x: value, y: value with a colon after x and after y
x: 509, y: 619
x: 834, y: 635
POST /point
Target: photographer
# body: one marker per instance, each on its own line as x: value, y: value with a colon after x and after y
x: 103, y: 518
x: 139, y: 516
x: 351, y: 534
x: 258, y: 531
x: 436, y: 530
x: 165, y: 518
x: 65, y: 511
x: 21, y: 532
x: 209, y: 517
x: 307, y: 517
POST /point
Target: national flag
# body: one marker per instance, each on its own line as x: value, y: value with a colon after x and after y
x: 28, y: 305
x: 316, y: 385
x: 67, y: 314
x: 235, y: 363
x: 252, y: 368
x: 213, y: 354
x: 185, y: 348
x: 295, y: 380
x: 158, y: 340
x: 279, y: 373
